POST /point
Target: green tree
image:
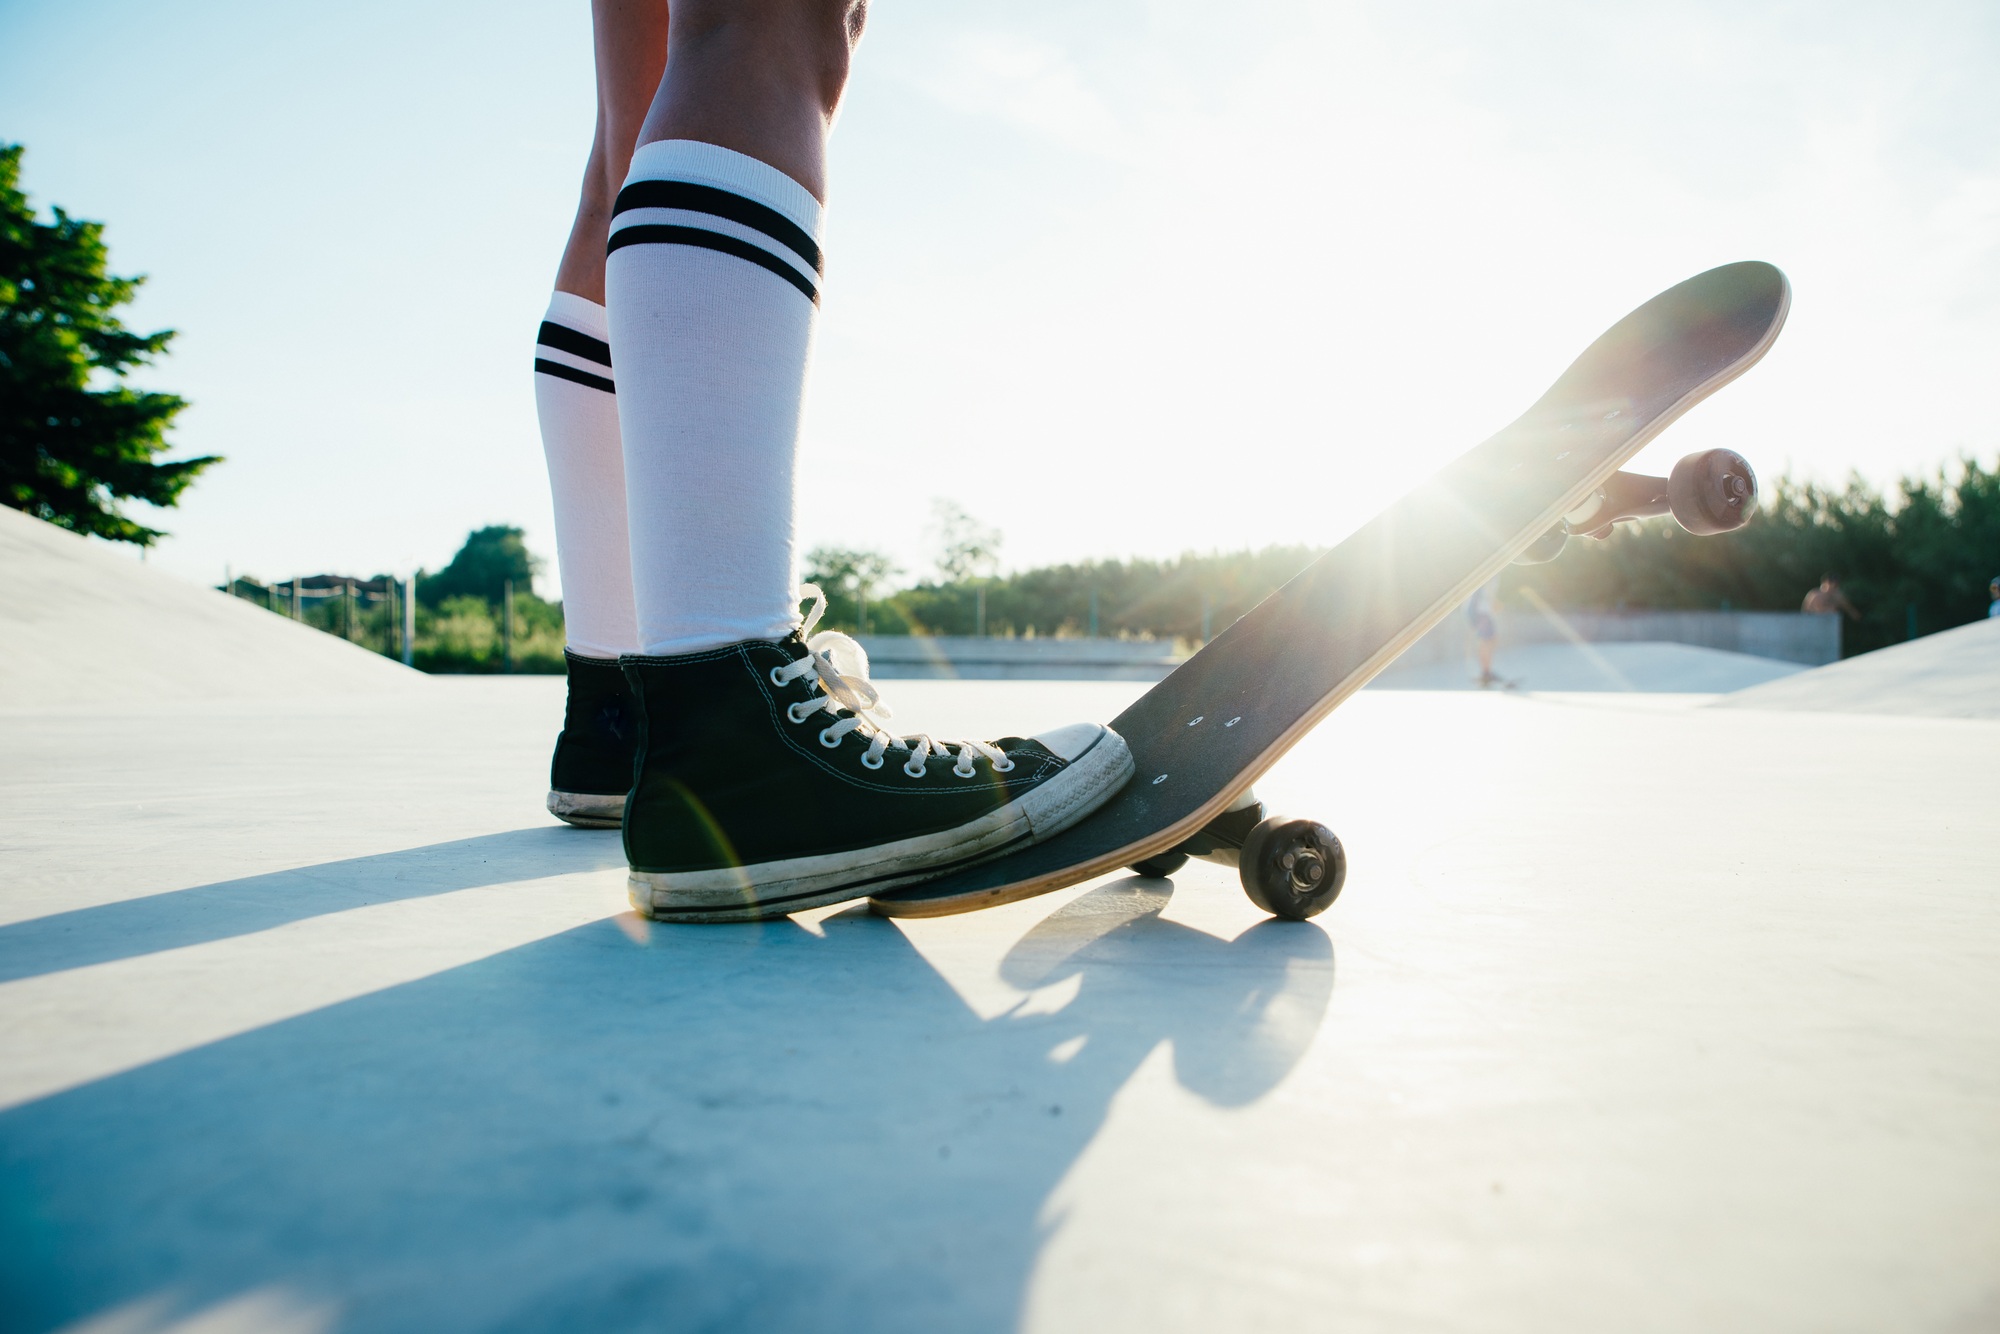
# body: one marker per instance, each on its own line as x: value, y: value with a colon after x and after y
x: 850, y: 579
x: 967, y: 549
x: 490, y: 558
x: 1138, y: 598
x: 69, y: 453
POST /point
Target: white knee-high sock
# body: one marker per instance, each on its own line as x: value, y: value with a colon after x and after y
x: 712, y: 281
x: 577, y: 401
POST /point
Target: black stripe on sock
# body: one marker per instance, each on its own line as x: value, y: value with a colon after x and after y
x: 565, y: 339
x: 722, y: 204
x: 575, y: 376
x: 664, y: 234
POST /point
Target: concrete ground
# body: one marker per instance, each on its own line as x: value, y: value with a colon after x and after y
x: 1635, y: 1014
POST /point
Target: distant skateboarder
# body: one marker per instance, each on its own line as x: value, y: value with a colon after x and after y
x: 1828, y: 598
x: 1485, y: 629
x: 753, y: 776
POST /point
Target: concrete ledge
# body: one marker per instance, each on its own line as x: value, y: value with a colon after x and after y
x: 1788, y: 636
x: 914, y: 657
x: 1781, y: 636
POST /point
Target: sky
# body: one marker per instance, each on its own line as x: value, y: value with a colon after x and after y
x: 1119, y: 277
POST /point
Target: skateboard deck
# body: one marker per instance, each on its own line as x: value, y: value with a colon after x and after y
x: 1201, y: 736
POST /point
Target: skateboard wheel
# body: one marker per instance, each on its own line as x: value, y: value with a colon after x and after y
x: 1160, y: 865
x: 1292, y: 868
x: 1544, y: 548
x: 1714, y: 491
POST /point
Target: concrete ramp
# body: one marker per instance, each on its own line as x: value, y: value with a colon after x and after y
x: 1952, y: 674
x: 81, y: 624
x: 1647, y: 668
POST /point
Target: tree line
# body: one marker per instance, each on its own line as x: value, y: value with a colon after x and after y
x: 1914, y: 558
x: 1187, y: 598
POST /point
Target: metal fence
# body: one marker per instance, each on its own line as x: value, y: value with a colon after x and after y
x: 355, y: 598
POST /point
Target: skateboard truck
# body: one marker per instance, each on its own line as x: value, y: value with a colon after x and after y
x: 1712, y: 492
x: 1289, y: 868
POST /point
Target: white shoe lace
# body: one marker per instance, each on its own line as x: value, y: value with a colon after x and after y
x: 840, y: 670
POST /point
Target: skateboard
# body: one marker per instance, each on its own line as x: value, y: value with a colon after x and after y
x: 1202, y: 736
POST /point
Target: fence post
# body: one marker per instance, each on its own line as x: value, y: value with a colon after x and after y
x: 409, y: 622
x: 507, y: 618
x: 298, y: 605
x: 979, y: 611
x: 347, y: 611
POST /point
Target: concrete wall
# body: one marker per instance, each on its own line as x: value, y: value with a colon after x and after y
x: 904, y: 657
x: 1788, y: 636
x: 1782, y: 635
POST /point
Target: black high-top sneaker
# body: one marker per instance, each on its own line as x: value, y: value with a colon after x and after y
x: 592, y: 769
x: 768, y: 783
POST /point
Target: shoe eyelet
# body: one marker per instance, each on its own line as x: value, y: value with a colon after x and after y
x: 828, y: 739
x: 777, y: 679
x: 865, y: 761
x: 965, y: 773
x: 793, y: 713
x: 917, y: 772
x: 1003, y: 766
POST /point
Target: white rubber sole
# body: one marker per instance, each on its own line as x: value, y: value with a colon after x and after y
x: 776, y: 889
x: 587, y: 810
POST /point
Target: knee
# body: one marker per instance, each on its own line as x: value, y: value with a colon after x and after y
x: 805, y: 43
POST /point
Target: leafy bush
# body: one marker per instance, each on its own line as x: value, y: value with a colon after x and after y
x: 465, y: 634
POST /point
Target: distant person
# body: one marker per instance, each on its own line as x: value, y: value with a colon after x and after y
x: 1485, y: 629
x: 748, y: 758
x: 1828, y: 599
x: 1993, y: 592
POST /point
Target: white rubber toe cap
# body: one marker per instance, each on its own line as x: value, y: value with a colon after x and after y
x: 1073, y: 740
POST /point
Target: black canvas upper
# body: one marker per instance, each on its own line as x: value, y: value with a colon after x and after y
x: 600, y: 731
x: 725, y: 778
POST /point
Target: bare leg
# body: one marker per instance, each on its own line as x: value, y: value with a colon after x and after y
x: 761, y: 77
x: 714, y: 290
x: 630, y: 41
